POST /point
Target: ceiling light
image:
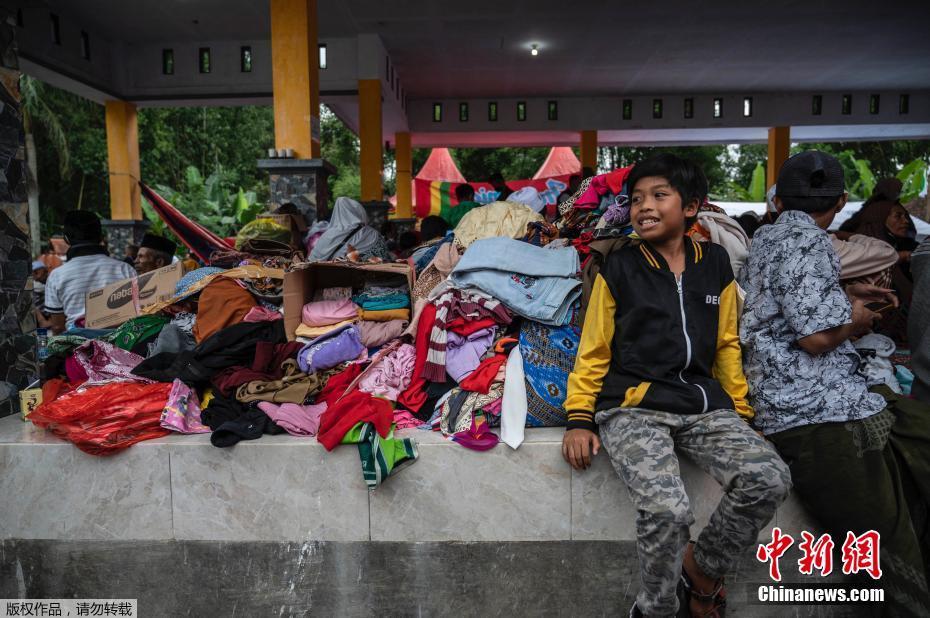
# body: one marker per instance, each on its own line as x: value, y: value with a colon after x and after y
x: 535, y: 50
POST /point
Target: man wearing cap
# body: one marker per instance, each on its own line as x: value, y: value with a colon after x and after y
x: 89, y: 267
x: 859, y: 457
x: 154, y: 253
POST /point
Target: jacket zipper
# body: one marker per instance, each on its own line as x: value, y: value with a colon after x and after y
x: 684, y: 330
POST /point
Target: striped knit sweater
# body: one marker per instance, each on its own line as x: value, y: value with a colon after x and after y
x: 469, y: 304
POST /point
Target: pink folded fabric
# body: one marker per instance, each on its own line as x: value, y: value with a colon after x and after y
x: 295, y: 419
x: 374, y: 334
x: 326, y: 312
x: 405, y: 420
x: 392, y: 374
x: 261, y: 314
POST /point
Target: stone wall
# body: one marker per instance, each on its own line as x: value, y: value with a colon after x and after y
x: 17, y: 323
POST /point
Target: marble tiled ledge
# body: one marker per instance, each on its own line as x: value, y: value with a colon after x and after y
x: 283, y: 488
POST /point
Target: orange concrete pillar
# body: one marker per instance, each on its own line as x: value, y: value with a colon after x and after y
x: 371, y: 158
x: 589, y: 149
x: 779, y: 149
x: 295, y: 77
x: 123, y: 160
x: 403, y: 158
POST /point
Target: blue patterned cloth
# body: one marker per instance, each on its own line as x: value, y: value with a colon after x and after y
x: 548, y: 357
x: 191, y: 278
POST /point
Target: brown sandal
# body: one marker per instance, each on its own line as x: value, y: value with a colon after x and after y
x: 718, y: 597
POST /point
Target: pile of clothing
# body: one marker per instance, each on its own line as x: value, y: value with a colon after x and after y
x: 483, y: 336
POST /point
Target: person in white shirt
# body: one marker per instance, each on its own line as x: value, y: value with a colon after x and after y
x: 89, y: 267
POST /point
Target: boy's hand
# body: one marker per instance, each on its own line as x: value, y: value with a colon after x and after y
x: 579, y: 446
x: 869, y: 293
x: 862, y: 318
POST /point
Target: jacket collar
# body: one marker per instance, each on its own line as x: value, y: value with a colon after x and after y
x: 694, y: 253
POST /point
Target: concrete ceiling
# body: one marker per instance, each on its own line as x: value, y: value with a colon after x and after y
x: 479, y: 48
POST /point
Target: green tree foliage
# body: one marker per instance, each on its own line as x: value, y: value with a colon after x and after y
x: 214, y: 202
x: 478, y: 164
x: 71, y: 143
x: 710, y: 158
x: 38, y: 112
x: 233, y: 138
x: 341, y: 148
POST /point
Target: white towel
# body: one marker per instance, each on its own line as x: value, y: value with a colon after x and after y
x: 513, y: 408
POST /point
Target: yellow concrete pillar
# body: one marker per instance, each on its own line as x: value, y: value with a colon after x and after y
x: 779, y: 149
x: 371, y: 158
x: 295, y: 77
x: 403, y: 158
x: 123, y: 160
x: 589, y: 149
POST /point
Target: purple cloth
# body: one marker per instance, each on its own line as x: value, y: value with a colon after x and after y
x: 464, y: 352
x: 295, y: 419
x: 104, y: 363
x: 329, y: 350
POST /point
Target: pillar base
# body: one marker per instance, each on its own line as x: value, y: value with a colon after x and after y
x: 302, y: 182
x: 403, y: 224
x: 121, y: 232
x: 377, y: 211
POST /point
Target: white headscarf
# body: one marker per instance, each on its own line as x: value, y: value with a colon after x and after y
x: 348, y: 226
x: 770, y: 200
x: 528, y: 196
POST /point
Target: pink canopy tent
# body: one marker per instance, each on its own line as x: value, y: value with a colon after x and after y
x: 439, y: 166
x: 560, y: 162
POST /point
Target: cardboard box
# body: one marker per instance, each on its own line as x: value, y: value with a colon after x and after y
x: 297, y: 224
x: 29, y: 400
x: 118, y: 302
x: 301, y: 284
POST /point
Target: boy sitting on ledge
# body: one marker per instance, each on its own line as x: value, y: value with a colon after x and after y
x: 659, y: 367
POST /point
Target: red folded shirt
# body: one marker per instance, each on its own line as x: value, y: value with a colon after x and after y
x: 336, y: 386
x: 463, y: 326
x: 415, y: 396
x: 356, y: 407
x: 480, y: 379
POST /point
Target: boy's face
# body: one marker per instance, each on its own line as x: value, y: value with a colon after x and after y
x: 656, y: 210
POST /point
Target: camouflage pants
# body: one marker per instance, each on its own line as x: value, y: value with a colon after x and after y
x: 641, y: 444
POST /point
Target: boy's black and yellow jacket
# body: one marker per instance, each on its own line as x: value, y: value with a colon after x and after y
x: 652, y: 340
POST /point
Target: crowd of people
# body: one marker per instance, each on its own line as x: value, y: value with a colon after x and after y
x: 641, y: 318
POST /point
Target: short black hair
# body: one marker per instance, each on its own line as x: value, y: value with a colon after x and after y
x: 432, y: 227
x: 750, y: 222
x: 808, y: 204
x: 686, y: 177
x: 464, y: 192
x: 82, y: 226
